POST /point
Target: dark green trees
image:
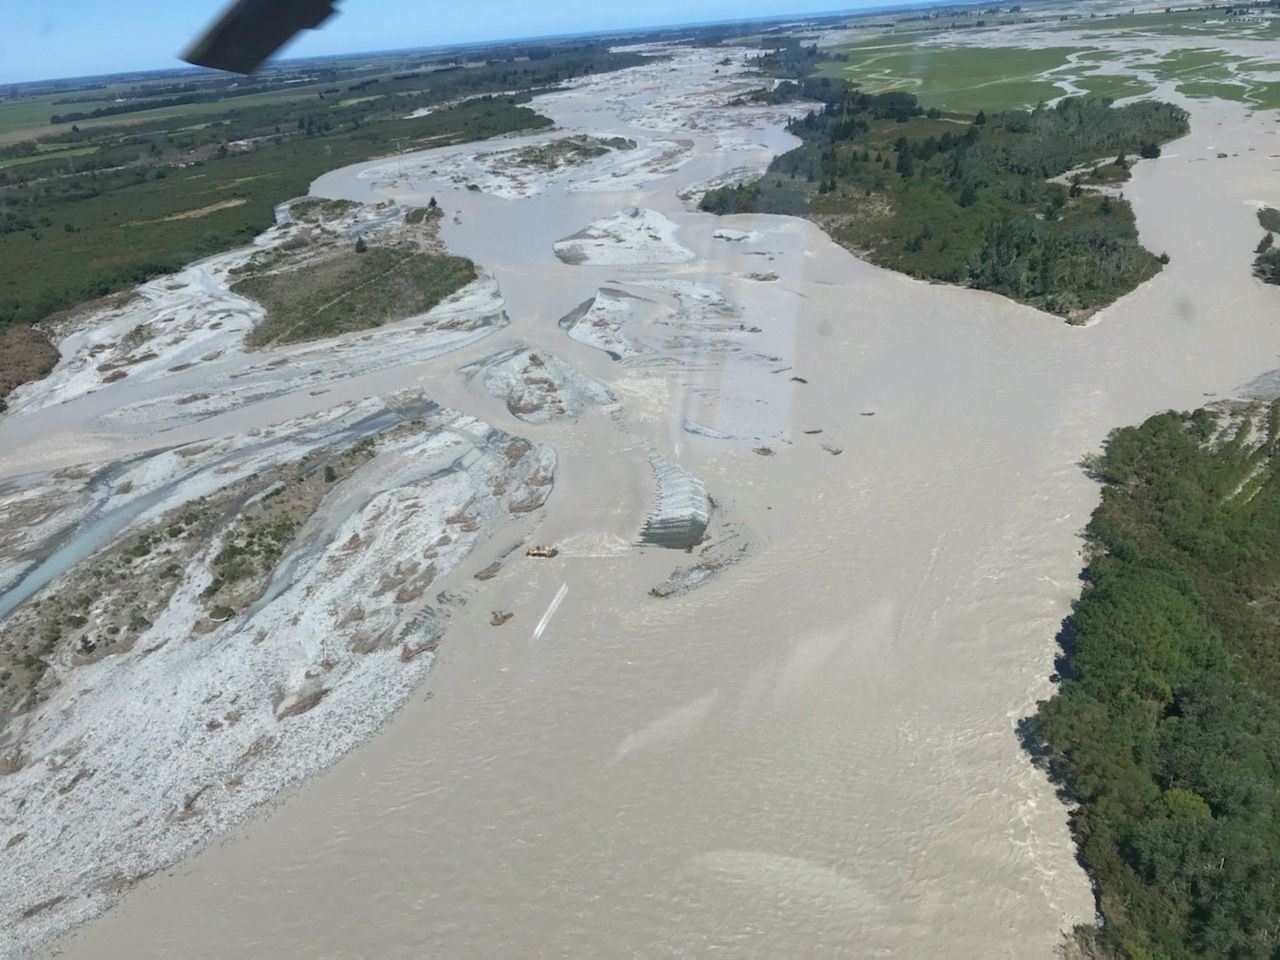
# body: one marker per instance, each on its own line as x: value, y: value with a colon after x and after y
x: 1166, y: 727
x: 1266, y: 266
x: 970, y: 204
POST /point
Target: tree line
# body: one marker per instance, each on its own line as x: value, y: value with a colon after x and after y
x: 1165, y: 730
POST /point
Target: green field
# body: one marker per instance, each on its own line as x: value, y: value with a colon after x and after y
x: 968, y: 79
x: 32, y: 116
x: 31, y: 112
x: 1206, y: 90
x: 1194, y: 64
x: 1207, y: 73
x: 1262, y: 96
x: 1190, y: 23
x: 26, y: 114
x: 48, y: 155
x: 1108, y: 56
x: 962, y: 79
x: 1111, y: 85
x: 1265, y: 96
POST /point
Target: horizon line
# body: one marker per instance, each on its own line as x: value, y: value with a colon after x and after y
x: 445, y: 47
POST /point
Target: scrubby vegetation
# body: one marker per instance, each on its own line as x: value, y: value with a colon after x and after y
x: 251, y: 550
x: 25, y: 354
x: 822, y: 89
x: 319, y: 209
x: 570, y: 151
x: 103, y: 608
x: 420, y: 215
x: 330, y: 295
x: 1266, y: 265
x: 972, y: 203
x: 106, y: 604
x: 788, y: 57
x: 1166, y: 727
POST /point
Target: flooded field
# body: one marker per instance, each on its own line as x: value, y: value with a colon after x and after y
x: 797, y: 739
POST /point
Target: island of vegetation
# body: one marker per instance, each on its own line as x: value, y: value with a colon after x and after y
x: 1165, y: 731
x: 1266, y: 266
x: 319, y: 284
x: 1006, y: 202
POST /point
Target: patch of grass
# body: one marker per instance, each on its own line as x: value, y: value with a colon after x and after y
x: 1208, y: 73
x: 1112, y: 86
x: 1265, y: 96
x: 26, y: 113
x: 331, y: 295
x: 48, y: 155
x: 197, y: 212
x: 1195, y: 64
x: 1108, y: 56
x: 1266, y: 266
x: 420, y: 215
x: 963, y: 79
x: 1194, y: 22
x: 1208, y: 90
x: 1107, y: 174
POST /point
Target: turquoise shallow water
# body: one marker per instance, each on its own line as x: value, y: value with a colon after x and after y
x: 101, y: 527
x: 95, y: 533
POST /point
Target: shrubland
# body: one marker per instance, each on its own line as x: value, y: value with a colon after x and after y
x: 351, y: 290
x: 25, y: 355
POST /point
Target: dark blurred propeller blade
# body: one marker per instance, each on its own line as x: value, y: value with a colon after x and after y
x: 252, y: 30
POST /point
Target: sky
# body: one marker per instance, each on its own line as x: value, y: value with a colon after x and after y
x: 71, y: 38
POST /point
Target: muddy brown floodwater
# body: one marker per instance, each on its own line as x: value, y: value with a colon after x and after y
x: 814, y: 753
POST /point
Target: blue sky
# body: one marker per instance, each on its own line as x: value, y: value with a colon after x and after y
x: 62, y: 38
